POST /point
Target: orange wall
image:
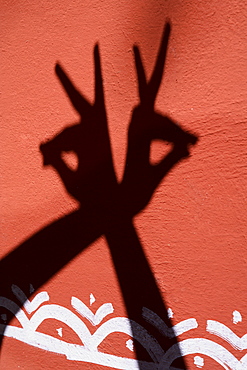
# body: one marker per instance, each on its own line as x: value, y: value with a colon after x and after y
x: 193, y: 230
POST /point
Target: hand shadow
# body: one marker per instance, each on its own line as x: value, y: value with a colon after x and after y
x: 106, y: 206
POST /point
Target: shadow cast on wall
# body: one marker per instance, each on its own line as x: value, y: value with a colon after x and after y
x: 106, y: 206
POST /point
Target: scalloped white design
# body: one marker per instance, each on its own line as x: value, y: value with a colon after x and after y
x: 88, y: 351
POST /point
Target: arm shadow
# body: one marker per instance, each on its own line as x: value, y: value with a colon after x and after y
x: 106, y: 206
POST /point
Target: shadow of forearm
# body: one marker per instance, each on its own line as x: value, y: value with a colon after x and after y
x: 39, y: 258
x: 138, y: 285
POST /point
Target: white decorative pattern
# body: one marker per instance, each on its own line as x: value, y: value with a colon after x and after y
x: 88, y: 351
x: 236, y: 317
x: 84, y: 311
x: 199, y: 361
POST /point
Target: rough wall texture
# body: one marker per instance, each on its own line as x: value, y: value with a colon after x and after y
x: 193, y: 229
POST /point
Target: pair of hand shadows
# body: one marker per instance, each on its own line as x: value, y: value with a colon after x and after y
x: 106, y: 205
x: 94, y: 182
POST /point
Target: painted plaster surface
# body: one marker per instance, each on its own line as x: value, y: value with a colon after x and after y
x: 193, y: 230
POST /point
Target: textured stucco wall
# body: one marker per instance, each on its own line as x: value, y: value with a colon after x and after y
x: 193, y: 231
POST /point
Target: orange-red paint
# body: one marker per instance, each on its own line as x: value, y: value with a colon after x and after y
x: 193, y: 230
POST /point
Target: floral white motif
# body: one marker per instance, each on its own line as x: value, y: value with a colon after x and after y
x: 88, y: 351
